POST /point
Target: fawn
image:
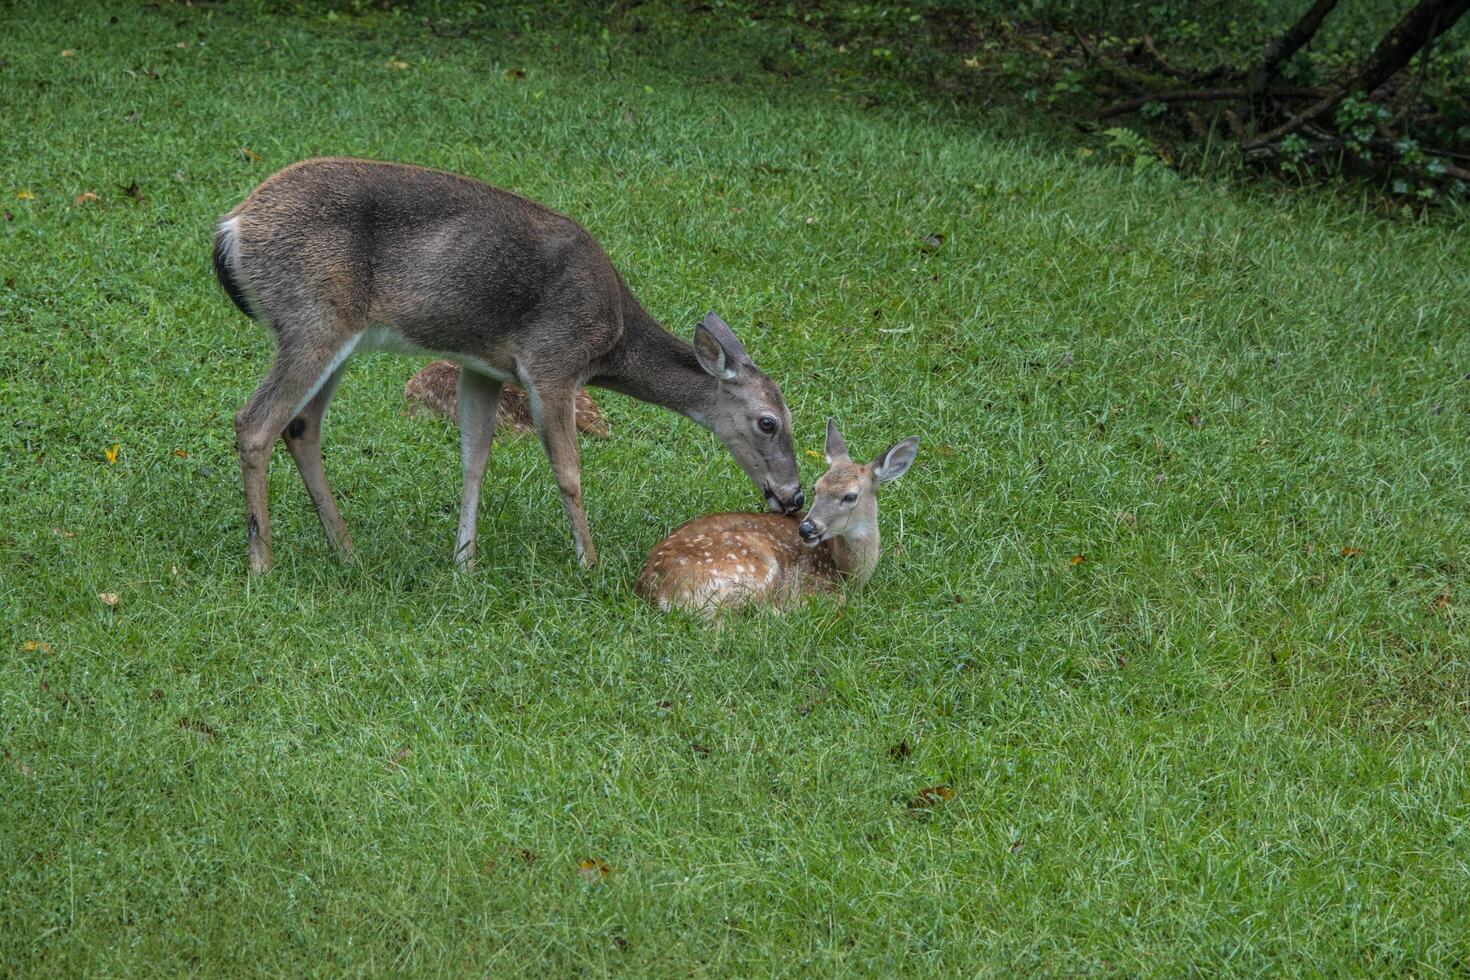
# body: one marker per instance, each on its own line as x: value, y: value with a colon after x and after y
x: 338, y: 256
x: 725, y: 561
x: 435, y: 386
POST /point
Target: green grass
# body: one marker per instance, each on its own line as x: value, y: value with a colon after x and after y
x: 1220, y: 742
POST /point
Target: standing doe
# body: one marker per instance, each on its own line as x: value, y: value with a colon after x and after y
x: 341, y: 256
x: 724, y: 561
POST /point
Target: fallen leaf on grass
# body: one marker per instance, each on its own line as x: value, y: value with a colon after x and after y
x: 67, y: 53
x: 1441, y: 601
x: 203, y: 730
x: 64, y: 534
x: 250, y: 154
x: 972, y: 62
x: 1077, y: 560
x: 9, y: 282
x: 398, y: 65
x: 1016, y: 845
x: 31, y: 646
x: 900, y: 751
x: 25, y: 195
x: 109, y: 599
x: 1351, y: 552
x: 515, y: 74
x: 930, y: 797
x: 111, y: 454
x: 591, y: 869
x: 86, y: 197
x: 814, y: 454
x: 397, y: 757
x: 181, y: 453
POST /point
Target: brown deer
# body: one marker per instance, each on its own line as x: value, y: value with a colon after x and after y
x: 726, y: 561
x: 435, y: 386
x: 340, y: 256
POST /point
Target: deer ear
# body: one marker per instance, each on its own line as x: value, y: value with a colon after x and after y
x: 836, y: 445
x: 895, y: 461
x: 717, y: 355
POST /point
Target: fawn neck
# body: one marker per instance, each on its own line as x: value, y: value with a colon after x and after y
x: 855, y: 553
x: 654, y: 366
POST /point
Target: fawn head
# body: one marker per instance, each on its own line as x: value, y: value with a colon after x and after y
x: 846, y: 496
x: 749, y: 416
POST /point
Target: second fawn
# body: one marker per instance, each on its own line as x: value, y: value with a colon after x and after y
x: 725, y: 561
x: 435, y: 386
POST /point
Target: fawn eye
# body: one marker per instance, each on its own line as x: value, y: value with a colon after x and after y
x: 849, y: 497
x: 767, y: 424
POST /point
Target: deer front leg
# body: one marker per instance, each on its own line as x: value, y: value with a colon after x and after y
x: 479, y: 400
x: 554, y: 411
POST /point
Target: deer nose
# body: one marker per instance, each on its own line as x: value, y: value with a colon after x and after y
x: 798, y: 500
x: 807, y: 529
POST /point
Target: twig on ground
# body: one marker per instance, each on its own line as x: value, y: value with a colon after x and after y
x: 1203, y: 95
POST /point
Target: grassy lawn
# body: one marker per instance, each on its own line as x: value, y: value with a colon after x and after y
x: 1173, y: 600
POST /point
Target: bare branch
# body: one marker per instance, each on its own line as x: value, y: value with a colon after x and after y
x: 1417, y: 28
x: 1204, y: 95
x: 1280, y: 50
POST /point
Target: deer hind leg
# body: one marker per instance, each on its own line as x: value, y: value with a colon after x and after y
x: 304, y: 439
x: 554, y: 410
x: 479, y: 401
x: 295, y: 377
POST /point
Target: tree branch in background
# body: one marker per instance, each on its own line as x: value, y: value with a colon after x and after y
x: 1204, y: 95
x: 1280, y: 50
x: 1415, y: 30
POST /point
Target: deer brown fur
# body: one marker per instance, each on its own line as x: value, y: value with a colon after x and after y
x: 338, y: 256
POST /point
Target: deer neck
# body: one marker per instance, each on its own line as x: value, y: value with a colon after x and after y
x: 654, y: 366
x: 856, y: 553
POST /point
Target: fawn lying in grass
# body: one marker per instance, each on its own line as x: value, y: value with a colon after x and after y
x: 725, y: 561
x: 436, y: 387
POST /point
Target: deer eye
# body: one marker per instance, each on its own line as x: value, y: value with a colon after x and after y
x: 767, y: 424
x: 849, y: 497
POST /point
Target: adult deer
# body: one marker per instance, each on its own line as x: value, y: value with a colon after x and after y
x: 725, y: 561
x: 341, y: 256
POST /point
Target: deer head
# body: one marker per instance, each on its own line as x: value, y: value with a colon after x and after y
x: 846, y: 497
x: 748, y: 415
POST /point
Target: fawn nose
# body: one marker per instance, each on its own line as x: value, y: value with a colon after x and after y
x: 798, y: 500
x: 807, y: 530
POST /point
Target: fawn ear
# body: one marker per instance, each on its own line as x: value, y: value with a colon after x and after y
x: 719, y: 351
x: 836, y: 445
x: 895, y: 461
